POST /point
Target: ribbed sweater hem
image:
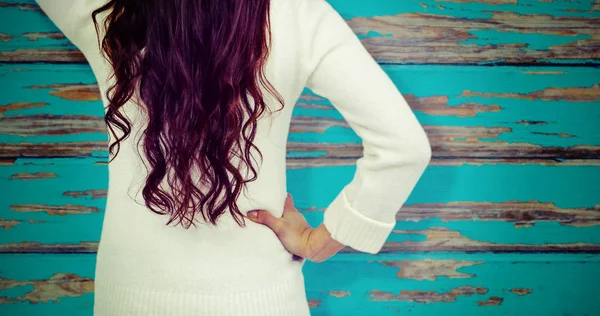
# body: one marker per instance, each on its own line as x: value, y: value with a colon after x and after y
x: 284, y: 299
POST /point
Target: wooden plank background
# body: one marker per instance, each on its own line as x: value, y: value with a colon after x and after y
x: 505, y: 221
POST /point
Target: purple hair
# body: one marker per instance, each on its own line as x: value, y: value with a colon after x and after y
x: 201, y: 61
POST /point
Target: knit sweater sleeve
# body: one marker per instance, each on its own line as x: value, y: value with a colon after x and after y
x: 396, y: 150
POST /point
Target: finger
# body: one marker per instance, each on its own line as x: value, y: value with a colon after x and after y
x: 265, y: 218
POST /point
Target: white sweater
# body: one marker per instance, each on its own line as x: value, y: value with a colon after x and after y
x: 147, y: 268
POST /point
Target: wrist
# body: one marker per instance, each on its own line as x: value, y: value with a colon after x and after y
x: 320, y: 244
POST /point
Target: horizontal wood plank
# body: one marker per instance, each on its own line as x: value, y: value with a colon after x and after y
x: 51, y: 112
x: 430, y: 32
x: 385, y: 284
x: 505, y: 221
x: 453, y: 208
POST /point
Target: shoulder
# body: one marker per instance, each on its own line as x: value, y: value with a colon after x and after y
x: 319, y: 15
x: 314, y: 6
x: 73, y: 18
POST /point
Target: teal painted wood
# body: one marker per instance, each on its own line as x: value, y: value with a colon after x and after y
x: 70, y: 198
x: 355, y: 284
x: 504, y: 222
x: 36, y: 284
x: 454, y: 284
x: 502, y: 112
x: 513, y: 32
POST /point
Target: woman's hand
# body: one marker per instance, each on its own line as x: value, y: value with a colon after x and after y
x: 296, y: 235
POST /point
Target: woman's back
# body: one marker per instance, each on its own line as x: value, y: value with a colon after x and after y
x: 205, y: 270
x: 145, y: 267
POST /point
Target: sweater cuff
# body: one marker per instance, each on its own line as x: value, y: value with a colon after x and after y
x: 351, y: 228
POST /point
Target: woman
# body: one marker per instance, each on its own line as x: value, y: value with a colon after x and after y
x: 198, y: 97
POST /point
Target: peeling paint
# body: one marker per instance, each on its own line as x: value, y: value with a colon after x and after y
x: 8, y: 224
x: 478, y: 119
x: 49, y: 125
x: 438, y: 106
x: 339, y: 294
x: 43, y: 55
x: 444, y: 239
x: 428, y: 296
x: 37, y: 35
x: 520, y: 213
x: 5, y: 37
x: 492, y: 301
x: 75, y: 149
x: 312, y: 303
x: 19, y: 106
x: 521, y: 291
x: 33, y: 176
x: 55, y: 210
x: 56, y: 287
x: 20, y: 6
x: 94, y: 194
x: 36, y: 247
x: 431, y: 269
x: 73, y: 92
x: 572, y: 94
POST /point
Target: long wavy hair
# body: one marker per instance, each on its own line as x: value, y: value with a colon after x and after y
x: 197, y: 64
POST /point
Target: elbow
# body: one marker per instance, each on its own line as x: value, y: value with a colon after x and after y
x: 424, y: 152
x: 411, y: 150
x: 416, y: 152
x: 422, y: 149
x: 421, y: 156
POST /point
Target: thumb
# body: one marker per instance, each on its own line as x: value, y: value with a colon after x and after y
x: 289, y: 204
x: 263, y: 217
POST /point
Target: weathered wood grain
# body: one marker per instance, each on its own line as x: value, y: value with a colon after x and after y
x: 492, y: 301
x: 433, y: 32
x: 440, y: 284
x: 452, y: 208
x: 84, y: 149
x: 35, y: 247
x: 48, y: 125
x: 443, y: 38
x: 57, y: 286
x: 385, y: 284
x: 428, y: 296
x: 446, y: 240
x: 43, y: 55
x: 73, y: 92
x: 446, y: 142
x: 295, y: 160
x: 535, y: 122
x: 55, y: 210
x: 522, y: 214
x: 504, y: 222
x: 47, y: 285
x: 430, y: 269
x: 438, y: 240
